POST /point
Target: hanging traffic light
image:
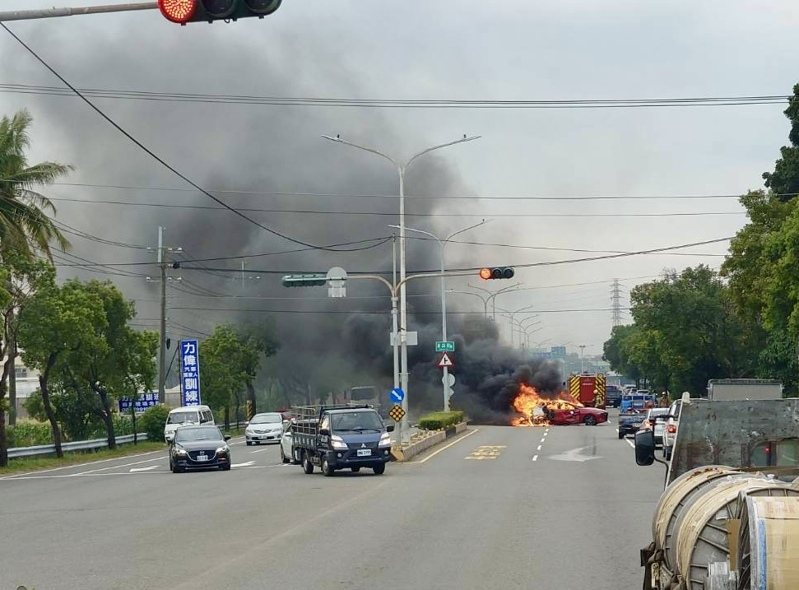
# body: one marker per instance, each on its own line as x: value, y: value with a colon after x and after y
x: 308, y: 280
x: 192, y: 11
x: 499, y: 272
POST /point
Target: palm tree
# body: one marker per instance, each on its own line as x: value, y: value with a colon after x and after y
x: 25, y: 225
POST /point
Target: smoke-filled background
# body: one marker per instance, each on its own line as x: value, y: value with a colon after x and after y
x: 270, y: 162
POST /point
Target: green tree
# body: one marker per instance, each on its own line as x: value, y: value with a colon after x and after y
x: 25, y: 231
x: 56, y: 322
x: 784, y: 181
x: 121, y: 360
x: 229, y: 363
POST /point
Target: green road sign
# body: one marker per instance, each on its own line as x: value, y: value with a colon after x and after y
x: 445, y: 346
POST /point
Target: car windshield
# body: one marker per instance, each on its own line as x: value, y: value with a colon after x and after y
x: 266, y: 419
x: 356, y: 421
x: 183, y: 417
x: 195, y: 434
x: 658, y: 412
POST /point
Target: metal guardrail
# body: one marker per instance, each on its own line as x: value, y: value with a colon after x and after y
x: 78, y: 445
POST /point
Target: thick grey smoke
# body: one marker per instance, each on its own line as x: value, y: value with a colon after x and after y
x: 251, y: 153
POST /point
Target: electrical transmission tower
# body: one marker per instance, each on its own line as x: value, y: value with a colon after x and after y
x: 615, y: 300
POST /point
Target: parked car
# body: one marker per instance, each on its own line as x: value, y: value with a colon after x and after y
x: 658, y: 426
x: 670, y: 427
x: 266, y: 427
x: 199, y: 447
x: 186, y: 415
x: 287, y: 453
x: 587, y: 416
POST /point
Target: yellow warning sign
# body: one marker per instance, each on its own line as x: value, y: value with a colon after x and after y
x: 396, y: 412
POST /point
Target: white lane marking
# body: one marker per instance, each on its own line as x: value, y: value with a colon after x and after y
x: 80, y: 465
x: 116, y: 466
x: 575, y: 455
x: 535, y: 457
x: 629, y: 442
x: 545, y: 433
x: 258, y: 451
x: 543, y: 440
x: 247, y: 464
x: 137, y: 469
x: 539, y: 447
x: 444, y: 448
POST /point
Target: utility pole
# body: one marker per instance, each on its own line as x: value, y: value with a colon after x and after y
x: 162, y: 268
x: 162, y: 329
x: 582, y: 364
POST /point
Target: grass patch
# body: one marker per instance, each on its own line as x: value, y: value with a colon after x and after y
x: 24, y: 464
x: 440, y: 420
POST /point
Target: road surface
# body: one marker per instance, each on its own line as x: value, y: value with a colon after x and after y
x: 562, y: 508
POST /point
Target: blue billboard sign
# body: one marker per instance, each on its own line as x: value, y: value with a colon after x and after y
x: 190, y: 372
x: 141, y: 403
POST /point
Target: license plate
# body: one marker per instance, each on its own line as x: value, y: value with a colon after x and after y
x: 364, y: 452
x: 202, y: 457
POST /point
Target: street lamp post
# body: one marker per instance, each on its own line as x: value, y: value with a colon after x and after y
x: 442, y: 244
x: 512, y: 316
x: 492, y: 295
x: 401, y: 168
x: 482, y: 298
x: 582, y: 364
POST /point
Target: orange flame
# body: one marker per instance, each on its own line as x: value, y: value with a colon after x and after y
x: 533, y: 406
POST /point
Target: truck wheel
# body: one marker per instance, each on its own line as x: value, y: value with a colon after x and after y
x: 621, y: 434
x: 296, y: 456
x: 249, y: 443
x: 379, y: 469
x: 327, y: 470
x: 589, y: 421
x: 283, y: 457
x: 307, y: 466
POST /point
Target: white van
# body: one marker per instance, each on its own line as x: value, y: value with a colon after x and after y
x: 186, y: 415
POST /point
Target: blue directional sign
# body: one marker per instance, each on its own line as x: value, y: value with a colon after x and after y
x: 190, y: 372
x: 141, y: 403
x: 396, y: 395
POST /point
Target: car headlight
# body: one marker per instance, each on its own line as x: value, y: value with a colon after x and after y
x: 180, y: 451
x: 385, y: 440
x: 337, y: 442
x: 248, y: 430
x: 223, y: 450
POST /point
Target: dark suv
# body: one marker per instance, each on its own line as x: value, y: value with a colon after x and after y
x: 199, y: 447
x: 613, y: 396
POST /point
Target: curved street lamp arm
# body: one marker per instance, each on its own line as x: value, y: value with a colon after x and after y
x: 363, y: 148
x: 438, y: 147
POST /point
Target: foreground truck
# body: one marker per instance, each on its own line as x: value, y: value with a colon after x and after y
x: 588, y: 390
x: 729, y: 516
x: 340, y: 437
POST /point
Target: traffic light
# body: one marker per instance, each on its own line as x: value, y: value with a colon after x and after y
x: 499, y: 272
x: 192, y: 11
x: 309, y: 280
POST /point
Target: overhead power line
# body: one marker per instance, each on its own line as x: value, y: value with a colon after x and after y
x: 309, y: 101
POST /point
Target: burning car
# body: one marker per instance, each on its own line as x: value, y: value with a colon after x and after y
x: 536, y: 409
x: 587, y: 416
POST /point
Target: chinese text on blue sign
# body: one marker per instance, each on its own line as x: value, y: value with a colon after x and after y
x: 189, y: 373
x: 141, y: 403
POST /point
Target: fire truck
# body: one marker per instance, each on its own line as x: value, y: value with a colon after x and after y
x: 589, y: 390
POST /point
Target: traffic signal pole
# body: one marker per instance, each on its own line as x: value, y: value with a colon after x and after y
x: 78, y: 11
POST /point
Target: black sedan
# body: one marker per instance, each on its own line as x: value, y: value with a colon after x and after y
x: 199, y: 447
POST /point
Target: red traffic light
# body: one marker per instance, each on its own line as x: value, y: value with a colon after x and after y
x: 502, y: 272
x: 178, y: 11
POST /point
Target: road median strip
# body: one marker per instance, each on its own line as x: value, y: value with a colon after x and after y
x: 424, y: 440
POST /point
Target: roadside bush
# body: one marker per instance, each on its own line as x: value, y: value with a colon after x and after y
x: 440, y: 420
x: 152, y: 422
x: 29, y: 433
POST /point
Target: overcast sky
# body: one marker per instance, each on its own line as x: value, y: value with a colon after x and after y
x: 464, y: 49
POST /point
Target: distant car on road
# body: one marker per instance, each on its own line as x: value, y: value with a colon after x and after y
x: 266, y: 427
x: 287, y: 453
x: 587, y: 416
x: 199, y: 447
x: 186, y: 415
x: 613, y: 395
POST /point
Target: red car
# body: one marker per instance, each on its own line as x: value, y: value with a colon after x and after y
x: 587, y: 416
